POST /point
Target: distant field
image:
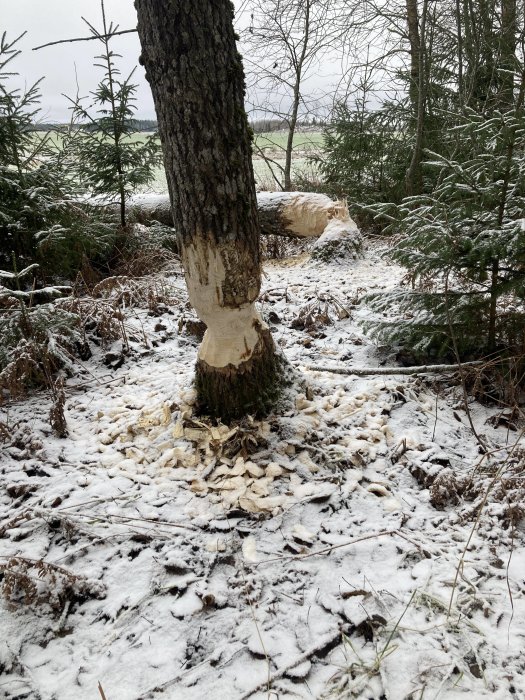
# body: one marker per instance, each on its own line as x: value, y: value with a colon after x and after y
x: 303, y: 141
x: 272, y: 143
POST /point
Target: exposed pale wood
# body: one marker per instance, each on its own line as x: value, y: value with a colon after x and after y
x: 290, y: 214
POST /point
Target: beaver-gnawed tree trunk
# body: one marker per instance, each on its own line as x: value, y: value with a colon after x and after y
x: 197, y: 80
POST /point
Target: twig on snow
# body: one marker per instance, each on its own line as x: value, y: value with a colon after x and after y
x: 326, y: 550
x: 366, y: 371
x: 324, y: 642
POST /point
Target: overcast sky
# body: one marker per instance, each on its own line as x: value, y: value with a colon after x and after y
x: 51, y: 20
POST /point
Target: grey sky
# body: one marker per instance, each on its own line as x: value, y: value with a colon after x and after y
x: 51, y: 20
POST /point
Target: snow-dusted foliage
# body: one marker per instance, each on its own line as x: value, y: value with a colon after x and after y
x: 357, y: 545
x: 463, y: 246
x: 39, y: 217
x: 108, y: 160
x: 34, y: 344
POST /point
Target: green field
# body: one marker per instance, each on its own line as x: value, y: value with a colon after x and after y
x: 309, y: 141
x: 273, y: 146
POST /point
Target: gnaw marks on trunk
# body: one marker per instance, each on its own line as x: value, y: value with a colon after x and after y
x: 197, y: 81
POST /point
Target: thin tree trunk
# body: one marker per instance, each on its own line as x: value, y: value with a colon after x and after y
x: 507, y: 60
x: 116, y: 134
x: 287, y: 184
x: 416, y: 35
x: 495, y: 267
x: 508, y: 52
x: 415, y: 48
x: 459, y: 29
x: 197, y: 81
x: 296, y: 101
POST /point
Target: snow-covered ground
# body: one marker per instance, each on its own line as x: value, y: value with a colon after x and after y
x: 356, y: 545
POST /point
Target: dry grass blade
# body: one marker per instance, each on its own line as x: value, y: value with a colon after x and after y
x: 37, y: 582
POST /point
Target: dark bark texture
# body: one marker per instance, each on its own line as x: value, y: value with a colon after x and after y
x: 197, y: 80
x: 231, y: 392
x: 508, y: 53
x: 416, y: 36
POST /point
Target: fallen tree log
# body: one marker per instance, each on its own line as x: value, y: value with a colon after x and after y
x: 302, y: 214
x: 291, y: 214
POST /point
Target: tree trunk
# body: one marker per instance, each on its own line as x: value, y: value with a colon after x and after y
x: 197, y: 81
x: 459, y: 30
x: 287, y: 185
x: 116, y: 136
x: 415, y: 48
x: 508, y: 62
x: 416, y: 36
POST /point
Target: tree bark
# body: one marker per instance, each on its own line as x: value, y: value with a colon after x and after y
x: 508, y: 61
x: 197, y: 81
x: 415, y: 48
x: 459, y: 29
x: 417, y: 93
x: 116, y: 135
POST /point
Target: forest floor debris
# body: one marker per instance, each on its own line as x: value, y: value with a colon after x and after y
x: 358, y: 545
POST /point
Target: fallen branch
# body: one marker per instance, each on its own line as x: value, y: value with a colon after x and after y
x: 325, y: 641
x: 327, y: 550
x: 366, y: 371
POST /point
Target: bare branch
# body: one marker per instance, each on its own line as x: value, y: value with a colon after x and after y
x: 103, y: 37
x: 371, y: 371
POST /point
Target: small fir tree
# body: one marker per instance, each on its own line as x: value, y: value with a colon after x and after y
x: 111, y: 162
x: 364, y: 155
x: 40, y: 217
x: 464, y: 247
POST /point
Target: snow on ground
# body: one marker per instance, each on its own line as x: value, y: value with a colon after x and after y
x: 324, y: 552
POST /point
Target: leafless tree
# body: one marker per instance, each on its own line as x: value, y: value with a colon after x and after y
x: 284, y: 47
